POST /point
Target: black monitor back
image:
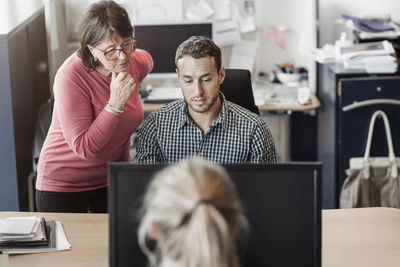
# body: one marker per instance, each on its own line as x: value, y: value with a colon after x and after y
x: 162, y: 40
x: 282, y: 203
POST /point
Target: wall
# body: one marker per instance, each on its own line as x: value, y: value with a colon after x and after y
x: 297, y: 16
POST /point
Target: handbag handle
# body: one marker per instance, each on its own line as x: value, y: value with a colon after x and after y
x: 392, y: 157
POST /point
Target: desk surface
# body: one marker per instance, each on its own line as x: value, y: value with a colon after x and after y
x: 314, y: 103
x: 351, y: 237
x: 87, y: 234
x: 281, y: 93
x: 361, y: 237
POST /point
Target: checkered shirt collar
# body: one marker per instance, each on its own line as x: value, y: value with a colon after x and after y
x: 222, y: 117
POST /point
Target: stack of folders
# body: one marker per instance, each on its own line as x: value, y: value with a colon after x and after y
x: 373, y: 57
x: 376, y: 27
x: 28, y: 235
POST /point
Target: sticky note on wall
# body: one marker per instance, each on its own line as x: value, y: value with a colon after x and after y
x: 276, y: 36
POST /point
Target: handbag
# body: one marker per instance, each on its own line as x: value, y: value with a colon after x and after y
x: 372, y: 181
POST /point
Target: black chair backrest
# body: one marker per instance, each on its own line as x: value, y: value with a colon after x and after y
x: 237, y: 88
x: 42, y: 127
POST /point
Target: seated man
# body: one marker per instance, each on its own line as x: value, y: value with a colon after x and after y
x: 204, y: 124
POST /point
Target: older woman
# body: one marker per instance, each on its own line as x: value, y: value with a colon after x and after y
x: 96, y: 110
x: 193, y: 212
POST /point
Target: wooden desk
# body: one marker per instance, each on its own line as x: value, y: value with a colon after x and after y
x: 314, y: 104
x: 351, y: 237
x: 87, y: 234
x: 361, y: 237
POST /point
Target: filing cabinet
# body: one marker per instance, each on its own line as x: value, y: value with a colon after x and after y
x: 343, y: 134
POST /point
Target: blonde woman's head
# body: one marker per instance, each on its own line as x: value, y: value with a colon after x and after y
x: 193, y: 212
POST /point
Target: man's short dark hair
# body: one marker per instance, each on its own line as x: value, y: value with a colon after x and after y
x: 101, y: 20
x: 198, y: 47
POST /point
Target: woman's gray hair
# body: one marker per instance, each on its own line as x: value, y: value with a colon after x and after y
x: 198, y: 215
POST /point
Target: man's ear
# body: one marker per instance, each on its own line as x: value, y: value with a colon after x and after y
x: 177, y: 71
x: 154, y: 231
x: 221, y: 75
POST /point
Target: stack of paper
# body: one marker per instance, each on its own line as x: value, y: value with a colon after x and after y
x: 324, y: 55
x: 21, y: 229
x: 381, y: 64
x: 366, y: 49
x: 372, y: 64
x: 31, y: 235
x: 373, y: 57
x: 356, y: 63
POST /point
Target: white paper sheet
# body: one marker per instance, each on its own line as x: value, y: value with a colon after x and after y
x: 18, y: 225
x: 61, y: 239
x: 199, y: 10
x: 246, y: 21
x: 61, y: 244
x: 243, y: 55
x: 226, y: 33
x: 159, y: 10
x: 247, y: 24
x: 222, y: 9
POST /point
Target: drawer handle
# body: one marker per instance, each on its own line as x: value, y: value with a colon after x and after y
x: 371, y: 102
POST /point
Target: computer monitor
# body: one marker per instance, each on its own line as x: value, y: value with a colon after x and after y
x: 282, y: 203
x: 162, y: 40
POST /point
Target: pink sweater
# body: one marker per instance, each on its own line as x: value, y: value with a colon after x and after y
x: 83, y: 137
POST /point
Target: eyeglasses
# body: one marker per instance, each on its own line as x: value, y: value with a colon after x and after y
x: 113, y: 54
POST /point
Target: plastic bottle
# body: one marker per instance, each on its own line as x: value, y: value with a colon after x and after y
x: 303, y: 92
x: 262, y: 77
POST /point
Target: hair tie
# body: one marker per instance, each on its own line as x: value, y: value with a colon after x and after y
x: 188, y: 215
x: 198, y: 203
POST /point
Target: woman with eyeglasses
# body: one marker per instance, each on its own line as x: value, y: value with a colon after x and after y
x: 96, y: 110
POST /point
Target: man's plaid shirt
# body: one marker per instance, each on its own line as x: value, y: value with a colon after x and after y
x: 237, y: 136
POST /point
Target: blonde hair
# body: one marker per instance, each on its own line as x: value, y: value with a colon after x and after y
x: 198, y: 214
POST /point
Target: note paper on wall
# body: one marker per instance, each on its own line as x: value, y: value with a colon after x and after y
x: 276, y: 36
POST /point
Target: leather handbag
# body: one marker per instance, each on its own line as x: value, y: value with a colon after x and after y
x: 372, y: 181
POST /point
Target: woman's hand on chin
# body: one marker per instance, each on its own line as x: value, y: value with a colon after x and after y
x: 121, y: 88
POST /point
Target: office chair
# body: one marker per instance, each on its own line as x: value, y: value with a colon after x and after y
x: 42, y: 127
x: 237, y: 88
